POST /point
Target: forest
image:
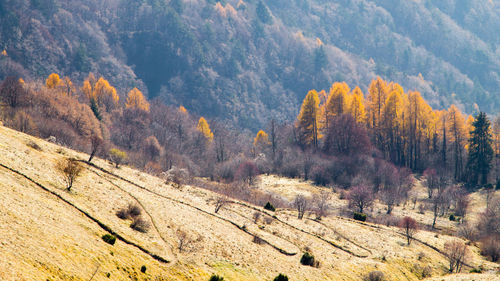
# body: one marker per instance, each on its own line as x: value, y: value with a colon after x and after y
x: 340, y: 137
x: 252, y: 61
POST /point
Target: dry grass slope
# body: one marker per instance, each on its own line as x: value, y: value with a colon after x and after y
x: 52, y: 234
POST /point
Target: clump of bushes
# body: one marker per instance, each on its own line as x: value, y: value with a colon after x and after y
x: 375, y: 276
x: 452, y: 217
x: 281, y: 277
x: 133, y: 212
x: 108, y: 238
x: 269, y: 207
x: 216, y: 278
x: 143, y: 269
x: 359, y: 216
x: 130, y: 212
x: 308, y: 259
x: 140, y: 225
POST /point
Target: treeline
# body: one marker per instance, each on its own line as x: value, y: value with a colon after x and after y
x: 402, y: 128
x: 91, y: 117
x: 339, y: 138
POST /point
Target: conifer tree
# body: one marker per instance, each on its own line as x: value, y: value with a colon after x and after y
x: 136, y: 99
x: 204, y: 129
x: 307, y: 121
x: 480, y: 150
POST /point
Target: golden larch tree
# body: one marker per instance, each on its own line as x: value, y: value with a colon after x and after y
x: 356, y: 105
x: 204, y: 129
x: 307, y: 121
x: 261, y: 139
x: 53, y: 81
x: 105, y: 94
x: 182, y: 110
x: 336, y: 103
x: 377, y: 95
x: 136, y: 99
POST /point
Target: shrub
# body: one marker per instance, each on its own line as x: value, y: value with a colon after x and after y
x: 117, y: 156
x: 359, y: 216
x: 452, y: 217
x: 320, y: 176
x: 122, y: 214
x: 409, y: 226
x: 490, y: 247
x: 307, y: 259
x: 143, y: 269
x: 476, y: 270
x: 133, y: 210
x: 108, y: 238
x: 281, y: 277
x: 216, y: 278
x: 34, y: 145
x: 427, y: 271
x: 269, y: 207
x: 140, y: 225
x: 375, y: 276
x: 257, y: 240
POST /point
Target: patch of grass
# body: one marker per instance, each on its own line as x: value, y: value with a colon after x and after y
x: 108, y: 238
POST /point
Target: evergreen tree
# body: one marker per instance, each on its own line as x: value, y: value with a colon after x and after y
x: 95, y: 109
x: 263, y: 13
x: 480, y: 150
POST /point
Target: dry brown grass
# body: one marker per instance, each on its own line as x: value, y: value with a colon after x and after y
x: 44, y: 238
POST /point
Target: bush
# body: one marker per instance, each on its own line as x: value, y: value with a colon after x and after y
x: 375, y: 276
x: 490, y: 247
x: 143, y: 269
x: 34, y: 145
x: 132, y: 211
x: 269, y: 207
x: 281, y: 277
x: 476, y: 270
x: 108, y: 238
x: 117, y: 156
x: 140, y: 225
x: 320, y: 176
x: 307, y: 259
x: 427, y: 271
x: 452, y: 217
x: 257, y: 240
x: 359, y: 216
x: 216, y: 278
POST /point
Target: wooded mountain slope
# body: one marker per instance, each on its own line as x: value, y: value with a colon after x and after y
x: 247, y: 61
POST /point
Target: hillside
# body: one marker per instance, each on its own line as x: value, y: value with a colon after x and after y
x: 51, y: 234
x: 249, y: 61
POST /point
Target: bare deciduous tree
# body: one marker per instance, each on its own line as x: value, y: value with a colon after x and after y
x: 185, y: 241
x: 301, y: 203
x: 410, y: 227
x: 360, y: 197
x: 457, y: 253
x: 70, y: 169
x: 219, y: 203
x: 321, y: 203
x: 95, y: 145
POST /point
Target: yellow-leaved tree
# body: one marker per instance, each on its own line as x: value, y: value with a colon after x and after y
x: 182, y: 109
x: 261, y: 139
x: 336, y: 102
x: 204, y: 129
x: 307, y: 121
x: 356, y: 105
x: 136, y: 99
x: 105, y: 94
x: 53, y: 81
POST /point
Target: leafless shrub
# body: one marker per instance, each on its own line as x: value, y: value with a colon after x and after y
x: 321, y: 204
x: 139, y: 224
x: 387, y: 220
x: 34, y: 145
x: 122, y: 214
x: 301, y: 203
x: 457, y: 253
x: 467, y: 231
x: 268, y: 220
x: 176, y: 176
x: 421, y: 208
x: 256, y: 216
x: 490, y: 247
x: 375, y: 276
x: 257, y: 240
x: 186, y: 242
x: 219, y: 203
x: 427, y: 271
x: 133, y: 210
